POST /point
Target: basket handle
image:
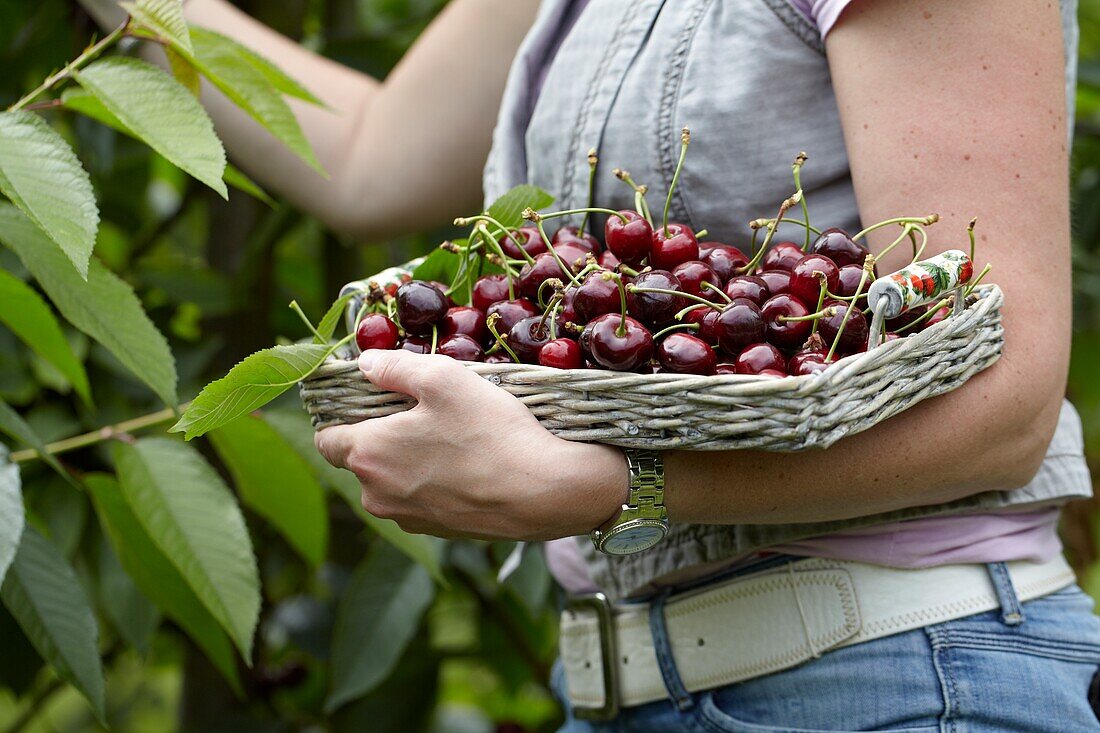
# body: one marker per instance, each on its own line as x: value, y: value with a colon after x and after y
x: 919, y: 283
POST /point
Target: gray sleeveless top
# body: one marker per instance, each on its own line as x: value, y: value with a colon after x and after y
x: 751, y: 80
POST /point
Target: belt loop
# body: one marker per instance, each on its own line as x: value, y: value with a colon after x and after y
x: 671, y: 676
x: 1011, y: 612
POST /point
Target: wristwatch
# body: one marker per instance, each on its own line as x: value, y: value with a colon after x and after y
x: 643, y: 521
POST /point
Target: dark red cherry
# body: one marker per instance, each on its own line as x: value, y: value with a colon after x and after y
x: 781, y: 256
x: 748, y: 286
x: 806, y: 362
x: 899, y: 322
x: 568, y: 313
x: 692, y: 274
x: 778, y: 281
x: 571, y: 233
x: 461, y: 347
x: 527, y: 338
x: 738, y: 325
x: 757, y: 358
x: 629, y: 241
x: 838, y: 246
x: 528, y: 237
x: 512, y: 312
x: 467, y: 320
x: 891, y: 336
x: 419, y: 307
x: 707, y: 319
x: 620, y: 351
x: 416, y: 344
x: 561, y: 353
x: 655, y: 308
x: 572, y: 254
x: 678, y: 246
x: 933, y: 319
x: 848, y: 281
x: 773, y: 373
x: 854, y: 337
x: 534, y: 274
x: 500, y: 357
x: 683, y: 353
x: 727, y: 369
x: 607, y: 260
x: 805, y: 286
x: 787, y: 334
x: 724, y: 259
x: 596, y: 296
x: 489, y: 289
x: 376, y: 331
x: 442, y: 289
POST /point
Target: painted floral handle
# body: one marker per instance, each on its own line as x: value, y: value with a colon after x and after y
x: 920, y: 283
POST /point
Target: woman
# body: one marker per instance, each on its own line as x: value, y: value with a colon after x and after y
x: 908, y: 578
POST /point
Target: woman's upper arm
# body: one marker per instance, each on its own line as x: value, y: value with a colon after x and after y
x: 960, y: 109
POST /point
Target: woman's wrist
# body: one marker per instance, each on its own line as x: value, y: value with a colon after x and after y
x: 591, y: 486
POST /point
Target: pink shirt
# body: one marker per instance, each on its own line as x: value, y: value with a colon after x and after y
x: 915, y: 543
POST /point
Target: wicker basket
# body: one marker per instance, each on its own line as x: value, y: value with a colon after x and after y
x: 672, y: 411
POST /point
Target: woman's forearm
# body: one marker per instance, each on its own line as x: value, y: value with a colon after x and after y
x: 401, y: 155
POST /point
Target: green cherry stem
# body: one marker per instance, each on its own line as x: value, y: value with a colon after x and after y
x: 676, y: 327
x: 435, y: 338
x: 503, y: 230
x: 529, y: 214
x: 796, y: 168
x: 685, y: 139
x: 925, y: 220
x: 627, y: 270
x: 970, y: 234
x: 565, y: 269
x: 621, y: 330
x: 680, y: 315
x: 593, y: 161
x: 974, y: 283
x: 677, y: 293
x: 715, y: 288
x: 868, y: 267
x: 702, y: 233
x: 771, y: 227
x: 640, y: 203
x: 494, y: 244
x: 811, y: 317
x: 491, y: 324
x: 824, y: 280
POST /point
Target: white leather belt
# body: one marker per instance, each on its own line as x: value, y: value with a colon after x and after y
x: 762, y: 623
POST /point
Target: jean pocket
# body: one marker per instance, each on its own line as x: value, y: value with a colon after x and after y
x: 716, y: 720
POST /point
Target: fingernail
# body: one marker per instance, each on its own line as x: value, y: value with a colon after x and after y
x: 366, y: 361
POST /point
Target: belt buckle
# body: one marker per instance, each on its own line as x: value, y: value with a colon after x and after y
x: 599, y: 603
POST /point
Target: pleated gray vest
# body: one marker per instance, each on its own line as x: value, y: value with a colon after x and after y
x: 751, y: 80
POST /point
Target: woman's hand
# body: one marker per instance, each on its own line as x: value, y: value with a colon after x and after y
x: 470, y: 460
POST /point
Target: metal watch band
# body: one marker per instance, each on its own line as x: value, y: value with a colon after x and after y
x: 647, y: 479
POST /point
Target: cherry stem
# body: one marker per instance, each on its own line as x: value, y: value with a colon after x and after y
x: 680, y: 315
x: 503, y: 229
x: 678, y: 293
x: 797, y: 170
x: 970, y: 233
x: 555, y: 299
x: 711, y: 286
x: 925, y: 220
x: 685, y: 139
x: 532, y: 215
x: 823, y: 278
x: 491, y: 324
x: 565, y: 269
x: 906, y: 231
x: 435, y: 338
x: 305, y: 319
x: 628, y: 270
x: 593, y: 161
x: 771, y: 226
x: 621, y: 330
x: 811, y: 317
x: 675, y: 327
x: 494, y: 244
x: 974, y: 283
x: 868, y: 268
x: 702, y: 233
x: 640, y: 204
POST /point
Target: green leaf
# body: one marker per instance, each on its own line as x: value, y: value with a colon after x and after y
x: 11, y: 513
x: 377, y: 617
x: 508, y: 209
x: 12, y: 424
x: 328, y: 323
x: 44, y: 595
x: 274, y: 481
x: 183, y: 71
x: 440, y: 265
x: 274, y: 75
x: 163, y: 17
x: 193, y: 518
x: 254, y: 382
x: 134, y: 616
x: 157, y: 577
x: 41, y: 175
x: 221, y: 60
x: 161, y: 112
x: 238, y: 180
x: 26, y: 314
x: 294, y: 427
x: 104, y: 307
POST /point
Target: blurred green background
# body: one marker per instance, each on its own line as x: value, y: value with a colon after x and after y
x: 216, y: 278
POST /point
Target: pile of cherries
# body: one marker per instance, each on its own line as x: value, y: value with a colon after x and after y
x: 651, y: 301
x: 649, y: 298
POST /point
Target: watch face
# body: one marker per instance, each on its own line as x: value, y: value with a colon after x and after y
x: 633, y: 538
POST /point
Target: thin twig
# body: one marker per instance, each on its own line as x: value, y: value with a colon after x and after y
x: 98, y: 436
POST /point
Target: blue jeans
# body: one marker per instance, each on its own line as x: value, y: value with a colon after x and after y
x: 983, y: 673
